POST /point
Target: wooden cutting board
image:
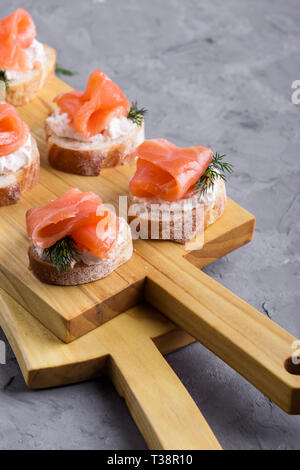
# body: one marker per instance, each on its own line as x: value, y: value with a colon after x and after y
x: 64, y: 343
x: 74, y: 311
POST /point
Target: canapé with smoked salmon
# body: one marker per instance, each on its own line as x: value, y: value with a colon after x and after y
x: 176, y: 192
x: 93, y: 129
x: 19, y: 156
x: 26, y: 65
x: 76, y: 239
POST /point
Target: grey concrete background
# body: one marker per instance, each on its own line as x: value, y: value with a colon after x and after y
x: 210, y: 72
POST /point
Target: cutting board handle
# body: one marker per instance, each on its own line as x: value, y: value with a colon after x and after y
x: 161, y: 406
x: 243, y: 337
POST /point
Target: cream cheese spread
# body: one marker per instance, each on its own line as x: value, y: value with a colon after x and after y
x: 89, y: 258
x: 22, y: 158
x: 36, y: 54
x: 207, y: 199
x: 60, y: 124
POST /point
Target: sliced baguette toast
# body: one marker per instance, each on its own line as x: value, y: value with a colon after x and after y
x: 82, y: 273
x: 146, y: 223
x: 15, y: 183
x: 88, y: 159
x: 21, y: 91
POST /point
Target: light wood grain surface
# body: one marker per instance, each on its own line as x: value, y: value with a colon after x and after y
x: 124, y: 350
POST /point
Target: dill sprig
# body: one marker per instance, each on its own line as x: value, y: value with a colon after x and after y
x: 216, y: 169
x: 137, y: 115
x: 3, y: 78
x: 63, y: 253
x: 62, y: 71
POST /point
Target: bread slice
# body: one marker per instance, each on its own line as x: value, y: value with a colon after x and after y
x: 15, y: 183
x: 21, y: 91
x: 184, y: 224
x: 88, y: 159
x: 82, y: 273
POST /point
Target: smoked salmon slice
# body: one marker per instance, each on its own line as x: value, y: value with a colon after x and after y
x: 13, y: 131
x: 167, y: 172
x: 17, y: 32
x: 82, y: 216
x: 91, y: 111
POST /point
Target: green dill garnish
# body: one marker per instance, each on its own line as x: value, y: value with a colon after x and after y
x: 61, y: 71
x: 137, y: 115
x: 216, y: 169
x: 3, y: 78
x: 63, y: 253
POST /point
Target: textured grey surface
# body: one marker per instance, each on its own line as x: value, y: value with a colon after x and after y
x: 210, y: 72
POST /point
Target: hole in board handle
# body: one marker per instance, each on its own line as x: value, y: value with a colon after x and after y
x: 291, y: 367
